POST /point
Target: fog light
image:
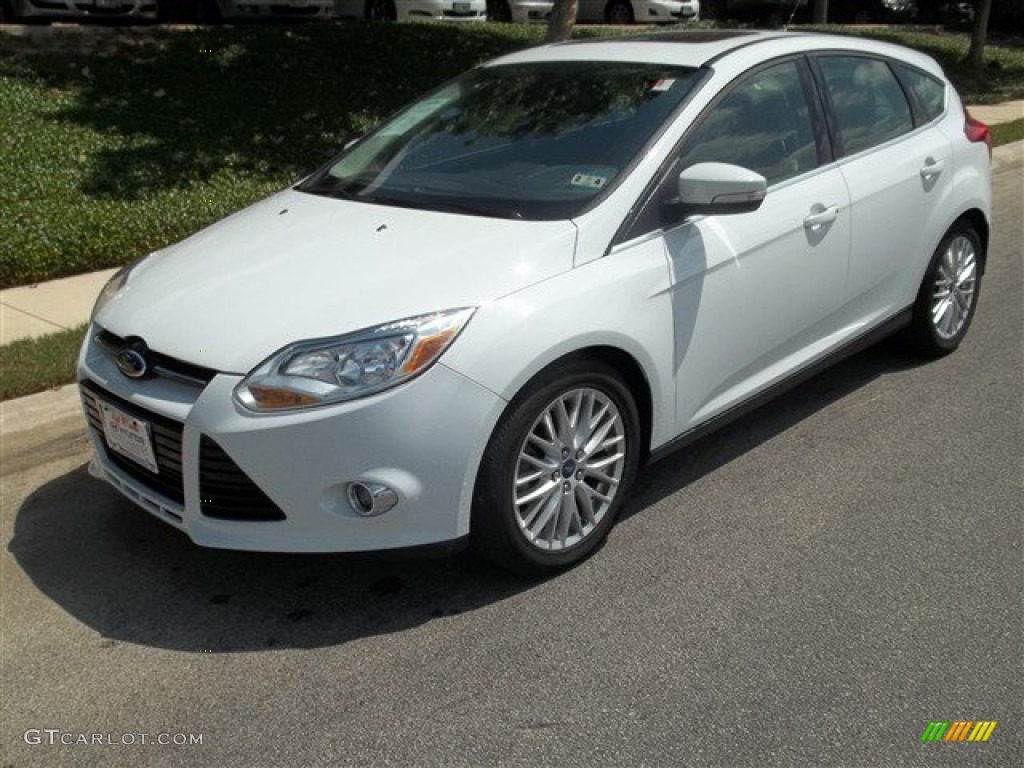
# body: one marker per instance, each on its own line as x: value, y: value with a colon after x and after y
x: 370, y: 499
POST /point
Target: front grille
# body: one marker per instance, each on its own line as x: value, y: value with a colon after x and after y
x: 166, y: 434
x: 161, y: 365
x: 226, y: 492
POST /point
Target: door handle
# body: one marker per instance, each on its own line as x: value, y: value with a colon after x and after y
x: 821, y: 216
x: 932, y: 168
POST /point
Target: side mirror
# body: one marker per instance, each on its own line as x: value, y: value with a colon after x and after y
x: 716, y: 189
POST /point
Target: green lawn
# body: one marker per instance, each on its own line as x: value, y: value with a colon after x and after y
x: 109, y: 153
x: 32, y: 365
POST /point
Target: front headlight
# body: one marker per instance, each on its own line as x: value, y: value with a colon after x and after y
x: 324, y: 371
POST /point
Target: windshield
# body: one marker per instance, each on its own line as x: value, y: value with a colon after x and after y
x: 530, y: 141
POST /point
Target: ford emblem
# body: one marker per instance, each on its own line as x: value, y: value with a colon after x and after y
x: 132, y: 363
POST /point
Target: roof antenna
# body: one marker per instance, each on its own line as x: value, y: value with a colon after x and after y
x: 792, y: 15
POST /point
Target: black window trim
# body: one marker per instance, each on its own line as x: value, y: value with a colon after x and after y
x: 900, y: 68
x: 633, y: 228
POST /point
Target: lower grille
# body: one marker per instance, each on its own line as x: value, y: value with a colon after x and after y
x: 226, y: 492
x: 166, y: 435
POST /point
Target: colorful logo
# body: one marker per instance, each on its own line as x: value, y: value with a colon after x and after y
x: 958, y: 730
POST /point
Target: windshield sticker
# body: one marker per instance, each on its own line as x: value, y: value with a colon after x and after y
x: 588, y: 180
x: 663, y: 85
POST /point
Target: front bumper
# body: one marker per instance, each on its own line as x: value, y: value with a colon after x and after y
x: 670, y: 11
x: 98, y: 9
x: 442, y: 10
x: 530, y: 11
x: 424, y: 439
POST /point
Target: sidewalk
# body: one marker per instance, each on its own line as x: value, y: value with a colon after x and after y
x: 37, y: 310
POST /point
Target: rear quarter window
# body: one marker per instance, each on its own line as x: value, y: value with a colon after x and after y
x: 929, y: 92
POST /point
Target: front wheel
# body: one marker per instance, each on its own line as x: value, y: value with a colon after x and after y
x: 557, y: 469
x: 948, y: 296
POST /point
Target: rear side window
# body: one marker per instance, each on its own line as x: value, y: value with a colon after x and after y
x: 929, y: 92
x: 763, y: 123
x: 870, y: 106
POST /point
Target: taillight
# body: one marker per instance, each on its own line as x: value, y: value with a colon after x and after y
x: 977, y: 131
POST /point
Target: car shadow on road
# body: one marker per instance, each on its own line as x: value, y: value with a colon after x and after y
x: 706, y: 455
x: 134, y: 579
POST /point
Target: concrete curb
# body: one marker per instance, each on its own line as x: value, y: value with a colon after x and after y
x: 34, y: 411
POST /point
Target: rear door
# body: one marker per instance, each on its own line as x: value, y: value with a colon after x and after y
x: 899, y: 169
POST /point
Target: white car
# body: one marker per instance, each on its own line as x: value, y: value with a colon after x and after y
x: 637, y: 11
x: 485, y: 316
x: 78, y: 9
x: 405, y: 10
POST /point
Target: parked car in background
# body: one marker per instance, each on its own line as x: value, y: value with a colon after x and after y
x: 638, y: 11
x: 143, y: 10
x: 483, y: 317
x: 775, y: 13
x: 871, y: 11
x: 404, y: 10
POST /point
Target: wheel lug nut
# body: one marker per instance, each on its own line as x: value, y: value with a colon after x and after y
x: 566, y: 486
x: 579, y: 454
x: 565, y: 453
x: 579, y: 475
x: 554, y: 476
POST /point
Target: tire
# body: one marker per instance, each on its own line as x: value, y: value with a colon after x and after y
x: 948, y: 296
x: 381, y: 10
x: 619, y: 12
x: 499, y: 11
x: 544, y: 501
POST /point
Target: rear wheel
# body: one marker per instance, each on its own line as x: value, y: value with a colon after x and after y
x: 381, y: 10
x: 499, y: 10
x: 619, y: 12
x: 948, y: 296
x: 557, y: 469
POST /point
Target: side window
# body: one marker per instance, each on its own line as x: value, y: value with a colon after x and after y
x: 763, y: 124
x: 869, y: 104
x: 929, y: 92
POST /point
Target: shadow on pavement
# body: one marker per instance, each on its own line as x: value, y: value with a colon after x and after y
x: 134, y: 579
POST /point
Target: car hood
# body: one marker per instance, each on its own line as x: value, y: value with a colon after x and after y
x: 298, y: 266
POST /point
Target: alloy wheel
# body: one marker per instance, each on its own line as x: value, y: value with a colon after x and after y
x: 569, y: 469
x: 954, y: 287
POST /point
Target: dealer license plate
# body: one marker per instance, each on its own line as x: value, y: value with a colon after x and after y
x: 129, y: 436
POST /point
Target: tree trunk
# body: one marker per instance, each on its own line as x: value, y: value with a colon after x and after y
x: 976, y: 54
x: 820, y: 12
x: 560, y: 23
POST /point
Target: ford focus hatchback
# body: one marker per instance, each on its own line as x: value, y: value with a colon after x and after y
x: 481, y: 319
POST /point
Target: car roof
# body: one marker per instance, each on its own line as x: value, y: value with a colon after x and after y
x: 701, y: 48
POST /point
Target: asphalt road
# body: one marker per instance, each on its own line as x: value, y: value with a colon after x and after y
x: 810, y: 587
